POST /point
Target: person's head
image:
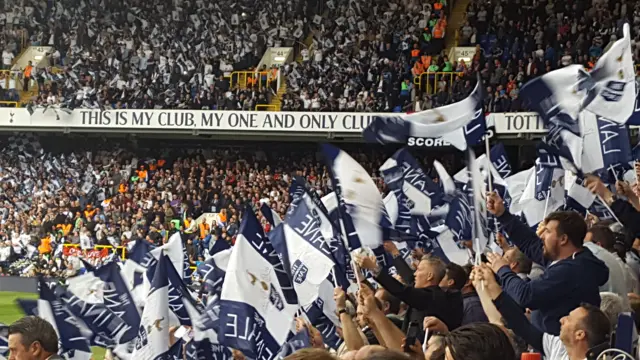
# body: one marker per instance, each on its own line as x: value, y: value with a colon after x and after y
x: 518, y: 261
x: 390, y: 303
x: 585, y: 327
x: 435, y: 348
x: 32, y: 338
x: 455, y: 277
x: 563, y: 234
x: 310, y: 354
x: 601, y: 234
x: 388, y: 355
x: 430, y: 272
x: 468, y: 286
x: 368, y: 350
x: 480, y: 341
x: 612, y: 305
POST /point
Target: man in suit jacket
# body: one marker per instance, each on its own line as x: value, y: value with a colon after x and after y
x: 33, y: 338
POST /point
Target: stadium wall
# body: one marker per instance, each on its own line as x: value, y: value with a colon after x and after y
x: 19, y: 284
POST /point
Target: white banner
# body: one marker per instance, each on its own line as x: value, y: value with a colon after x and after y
x: 206, y: 120
x: 516, y: 123
x: 187, y: 120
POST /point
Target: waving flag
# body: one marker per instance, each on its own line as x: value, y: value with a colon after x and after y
x: 153, y: 335
x: 500, y: 160
x: 213, y: 270
x: 418, y: 186
x: 218, y: 246
x: 174, y: 248
x: 459, y: 218
x: 271, y: 215
x: 255, y: 316
x: 608, y: 91
x: 330, y: 232
x: 177, y: 292
x: 301, y: 340
x: 544, y: 193
x: 102, y: 300
x: 447, y: 122
x: 204, y: 344
x: 73, y: 341
x: 140, y: 253
x: 306, y: 253
x: 359, y: 201
x: 446, y: 248
x: 613, y: 148
x: 614, y: 78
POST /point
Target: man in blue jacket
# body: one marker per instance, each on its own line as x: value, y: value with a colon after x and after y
x: 573, y: 274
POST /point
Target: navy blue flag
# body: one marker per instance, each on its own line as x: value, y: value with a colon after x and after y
x: 213, y: 270
x: 219, y: 245
x: 118, y: 298
x: 301, y: 340
x: 74, y: 343
x: 500, y: 160
x: 461, y: 124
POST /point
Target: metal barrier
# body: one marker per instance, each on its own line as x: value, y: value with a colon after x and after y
x: 431, y: 85
x: 245, y: 79
x: 9, y: 104
x: 266, y: 107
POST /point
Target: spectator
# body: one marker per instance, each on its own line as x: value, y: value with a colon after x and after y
x: 573, y: 275
x: 33, y: 338
x: 473, y: 311
x: 519, y: 263
x: 427, y: 297
x: 478, y: 342
x: 584, y: 329
x: 619, y: 281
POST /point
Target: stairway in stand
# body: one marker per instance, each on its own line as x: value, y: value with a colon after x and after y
x: 455, y: 22
x: 276, y: 101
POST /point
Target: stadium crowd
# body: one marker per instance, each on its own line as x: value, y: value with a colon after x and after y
x: 98, y: 194
x: 576, y: 282
x: 359, y: 58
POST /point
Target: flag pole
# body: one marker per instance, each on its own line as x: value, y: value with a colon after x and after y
x: 487, y: 152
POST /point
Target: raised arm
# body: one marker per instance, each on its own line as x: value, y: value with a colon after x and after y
x: 519, y: 233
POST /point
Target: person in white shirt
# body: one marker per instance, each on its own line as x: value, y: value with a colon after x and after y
x: 7, y: 59
x: 618, y: 282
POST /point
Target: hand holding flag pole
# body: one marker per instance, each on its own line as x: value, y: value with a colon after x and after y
x: 597, y: 187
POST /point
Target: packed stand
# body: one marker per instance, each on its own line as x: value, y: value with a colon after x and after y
x: 139, y: 55
x: 362, y: 59
x: 90, y: 194
x: 568, y: 290
x: 140, y: 58
x: 521, y: 40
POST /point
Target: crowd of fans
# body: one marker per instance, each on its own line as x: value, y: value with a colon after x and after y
x: 171, y: 55
x: 352, y: 56
x: 520, y: 40
x: 97, y: 192
x: 560, y: 291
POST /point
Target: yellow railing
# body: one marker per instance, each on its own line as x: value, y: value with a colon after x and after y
x: 9, y: 104
x: 428, y: 81
x: 245, y: 79
x: 267, y: 107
